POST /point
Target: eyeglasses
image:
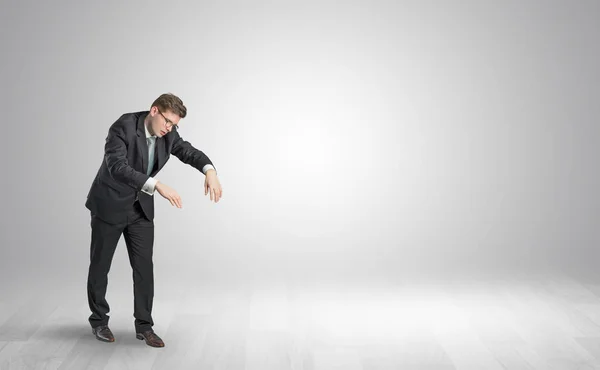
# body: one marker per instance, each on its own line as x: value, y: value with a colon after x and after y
x: 168, y: 122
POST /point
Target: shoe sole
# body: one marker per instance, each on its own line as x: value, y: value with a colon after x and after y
x: 104, y: 340
x: 141, y: 337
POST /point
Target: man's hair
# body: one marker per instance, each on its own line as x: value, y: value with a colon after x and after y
x: 172, y: 103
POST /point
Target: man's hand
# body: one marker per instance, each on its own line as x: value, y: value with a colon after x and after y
x: 211, y: 182
x: 169, y: 194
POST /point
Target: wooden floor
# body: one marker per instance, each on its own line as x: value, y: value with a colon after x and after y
x: 551, y: 323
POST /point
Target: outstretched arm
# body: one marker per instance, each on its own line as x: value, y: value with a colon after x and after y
x: 190, y: 155
x: 197, y: 159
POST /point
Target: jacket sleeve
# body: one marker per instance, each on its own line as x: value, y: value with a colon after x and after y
x: 115, y: 155
x: 188, y: 154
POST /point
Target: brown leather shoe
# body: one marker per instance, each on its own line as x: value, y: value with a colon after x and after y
x: 103, y: 333
x: 151, y: 338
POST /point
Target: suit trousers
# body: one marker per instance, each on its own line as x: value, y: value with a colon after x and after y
x: 139, y: 238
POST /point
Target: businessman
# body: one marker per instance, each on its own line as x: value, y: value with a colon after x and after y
x: 121, y: 201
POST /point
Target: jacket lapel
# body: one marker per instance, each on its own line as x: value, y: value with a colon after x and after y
x: 141, y: 142
x: 160, y: 152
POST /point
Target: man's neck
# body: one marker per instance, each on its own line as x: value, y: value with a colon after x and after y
x: 148, y: 127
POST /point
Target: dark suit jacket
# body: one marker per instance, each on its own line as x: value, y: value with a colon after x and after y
x: 123, y: 170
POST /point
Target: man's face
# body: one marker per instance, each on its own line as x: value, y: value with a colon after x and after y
x: 161, y: 122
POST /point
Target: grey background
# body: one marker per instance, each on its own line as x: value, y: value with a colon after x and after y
x: 354, y: 139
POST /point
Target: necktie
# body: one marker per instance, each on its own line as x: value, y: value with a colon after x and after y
x: 151, y: 141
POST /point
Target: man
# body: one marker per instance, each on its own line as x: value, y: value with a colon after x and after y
x: 121, y: 201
